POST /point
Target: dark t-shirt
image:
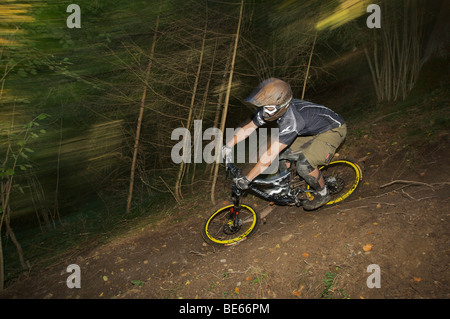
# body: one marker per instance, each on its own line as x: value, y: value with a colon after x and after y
x: 302, y: 118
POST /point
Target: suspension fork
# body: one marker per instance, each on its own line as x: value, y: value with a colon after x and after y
x: 236, y: 195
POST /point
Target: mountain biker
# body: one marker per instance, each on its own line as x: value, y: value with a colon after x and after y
x: 308, y: 132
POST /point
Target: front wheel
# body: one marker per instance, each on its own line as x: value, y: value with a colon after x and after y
x: 225, y: 227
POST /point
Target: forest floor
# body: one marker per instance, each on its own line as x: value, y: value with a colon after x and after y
x: 294, y: 254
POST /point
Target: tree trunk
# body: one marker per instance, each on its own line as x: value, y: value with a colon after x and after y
x: 141, y: 113
x: 309, y: 65
x: 399, y: 46
x: 16, y: 243
x: 2, y: 268
x: 189, y: 120
x: 227, y: 98
x: 219, y: 105
x: 205, y: 100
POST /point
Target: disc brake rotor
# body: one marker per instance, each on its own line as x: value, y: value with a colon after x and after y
x: 230, y: 228
x: 335, y: 184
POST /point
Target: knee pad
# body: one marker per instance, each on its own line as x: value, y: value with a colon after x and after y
x: 304, y: 168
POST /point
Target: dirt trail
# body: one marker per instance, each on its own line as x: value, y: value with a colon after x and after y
x: 294, y: 254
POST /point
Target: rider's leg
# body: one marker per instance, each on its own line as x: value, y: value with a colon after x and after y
x: 316, y: 173
x: 312, y: 176
x: 312, y: 152
x: 284, y: 159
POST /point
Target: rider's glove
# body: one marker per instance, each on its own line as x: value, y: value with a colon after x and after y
x: 242, y: 183
x: 226, y: 154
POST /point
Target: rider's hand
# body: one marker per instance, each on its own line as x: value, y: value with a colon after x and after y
x: 242, y: 183
x: 226, y: 154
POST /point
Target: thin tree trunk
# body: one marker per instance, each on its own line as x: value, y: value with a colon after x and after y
x: 56, y: 212
x: 2, y: 276
x: 227, y: 98
x: 189, y: 120
x: 205, y: 100
x: 399, y: 52
x: 2, y: 267
x: 219, y: 105
x: 141, y: 113
x: 309, y: 65
x: 16, y: 243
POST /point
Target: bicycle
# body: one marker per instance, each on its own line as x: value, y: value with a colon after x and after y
x: 234, y: 223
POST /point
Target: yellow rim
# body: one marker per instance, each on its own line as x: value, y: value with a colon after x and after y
x: 354, y: 185
x: 233, y: 240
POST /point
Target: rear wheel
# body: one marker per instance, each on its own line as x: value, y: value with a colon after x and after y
x: 342, y: 178
x: 226, y: 228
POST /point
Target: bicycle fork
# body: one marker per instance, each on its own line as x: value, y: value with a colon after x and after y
x: 235, y: 221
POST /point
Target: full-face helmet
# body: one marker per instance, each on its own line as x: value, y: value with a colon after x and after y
x: 274, y: 96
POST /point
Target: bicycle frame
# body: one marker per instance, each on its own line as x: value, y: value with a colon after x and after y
x: 279, y: 191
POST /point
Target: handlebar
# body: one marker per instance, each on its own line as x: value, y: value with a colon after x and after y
x: 235, y: 171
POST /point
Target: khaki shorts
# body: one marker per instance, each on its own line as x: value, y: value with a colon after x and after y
x: 319, y: 149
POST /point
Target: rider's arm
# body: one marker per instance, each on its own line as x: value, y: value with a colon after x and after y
x: 242, y: 133
x: 266, y: 159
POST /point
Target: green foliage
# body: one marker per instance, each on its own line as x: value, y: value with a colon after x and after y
x: 15, y: 148
x: 331, y: 291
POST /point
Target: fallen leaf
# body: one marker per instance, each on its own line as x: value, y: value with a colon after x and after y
x: 105, y: 278
x: 367, y: 247
x: 417, y: 279
x: 236, y: 290
x: 298, y: 292
x: 248, y: 278
x: 378, y: 206
x: 306, y: 255
x: 286, y: 238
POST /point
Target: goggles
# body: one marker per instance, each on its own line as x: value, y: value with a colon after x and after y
x: 270, y: 110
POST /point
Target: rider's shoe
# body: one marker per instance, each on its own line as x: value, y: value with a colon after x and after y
x: 316, y: 202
